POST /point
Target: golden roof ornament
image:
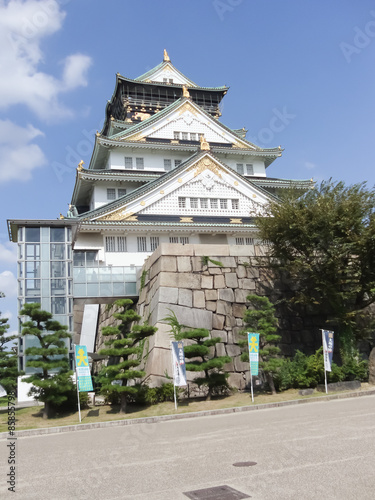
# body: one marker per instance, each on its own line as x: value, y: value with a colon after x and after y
x: 80, y: 165
x: 185, y: 92
x: 204, y: 144
x: 61, y: 216
x: 166, y: 56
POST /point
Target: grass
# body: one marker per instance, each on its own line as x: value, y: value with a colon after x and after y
x: 31, y: 417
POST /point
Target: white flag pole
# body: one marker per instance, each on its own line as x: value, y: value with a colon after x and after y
x: 174, y: 386
x: 251, y: 382
x: 75, y: 369
x: 324, y: 359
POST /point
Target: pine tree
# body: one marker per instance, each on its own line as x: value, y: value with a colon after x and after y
x: 202, y: 359
x: 8, y: 359
x: 53, y: 380
x: 261, y: 319
x: 124, y: 352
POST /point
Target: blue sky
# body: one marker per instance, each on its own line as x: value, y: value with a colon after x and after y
x: 309, y: 62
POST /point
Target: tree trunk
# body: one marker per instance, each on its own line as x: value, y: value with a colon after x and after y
x: 46, y: 410
x: 271, y: 383
x: 123, y: 402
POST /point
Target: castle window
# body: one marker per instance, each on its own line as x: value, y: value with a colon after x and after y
x: 239, y: 241
x: 142, y: 244
x: 185, y: 136
x: 121, y: 243
x: 223, y: 204
x: 213, y: 203
x: 249, y: 169
x: 193, y: 137
x: 111, y: 194
x: 176, y: 136
x: 110, y: 244
x: 154, y: 242
x: 139, y: 163
x: 193, y: 202
x: 128, y: 162
x: 249, y: 241
x: 240, y: 168
x: 204, y: 203
x: 173, y: 239
x: 235, y: 204
x: 177, y: 163
x: 121, y: 192
x: 184, y: 240
x: 167, y: 165
x: 181, y: 202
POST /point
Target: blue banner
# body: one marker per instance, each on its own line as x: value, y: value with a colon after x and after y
x: 327, y: 349
x: 83, y: 369
x: 253, y: 341
x: 179, y: 368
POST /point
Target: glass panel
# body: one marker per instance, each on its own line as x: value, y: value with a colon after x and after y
x: 118, y: 289
x: 46, y: 288
x: 33, y: 300
x: 78, y: 259
x: 91, y: 258
x: 44, y: 269
x: 57, y: 269
x: 106, y: 289
x: 57, y: 233
x: 45, y: 251
x: 69, y: 235
x: 105, y: 274
x: 33, y: 269
x: 32, y: 288
x: 117, y: 274
x: 57, y: 251
x: 93, y: 290
x: 92, y: 275
x: 32, y: 234
x: 32, y: 251
x: 79, y: 290
x: 130, y: 289
x: 79, y: 275
x: 58, y: 305
x: 20, y: 234
x: 130, y: 278
x: 58, y: 287
x: 45, y: 234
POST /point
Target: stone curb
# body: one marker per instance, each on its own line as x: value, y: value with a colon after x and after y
x: 164, y: 418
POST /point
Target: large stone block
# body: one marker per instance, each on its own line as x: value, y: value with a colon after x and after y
x: 237, y: 380
x: 164, y: 263
x: 233, y: 350
x: 199, y: 299
x: 240, y: 366
x: 175, y: 249
x: 241, y: 250
x: 161, y: 338
x: 197, y: 264
x: 222, y: 334
x: 211, y: 251
x: 239, y: 310
x: 220, y: 349
x: 207, y: 281
x: 246, y: 284
x: 215, y: 270
x: 241, y: 272
x: 226, y: 294
x: 218, y: 321
x: 231, y: 280
x: 180, y: 280
x: 219, y: 281
x: 252, y: 272
x: 158, y: 362
x: 211, y: 305
x: 184, y: 264
x: 224, y: 308
x: 226, y: 261
x: 194, y: 318
x: 240, y: 295
x: 185, y: 297
x: 211, y: 294
x: 168, y: 294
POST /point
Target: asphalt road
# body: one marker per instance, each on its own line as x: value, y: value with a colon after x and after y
x: 321, y: 451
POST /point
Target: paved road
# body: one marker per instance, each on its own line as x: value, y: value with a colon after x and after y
x: 321, y: 451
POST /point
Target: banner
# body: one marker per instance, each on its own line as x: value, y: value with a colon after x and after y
x: 179, y: 368
x: 253, y: 340
x: 327, y: 349
x: 83, y: 369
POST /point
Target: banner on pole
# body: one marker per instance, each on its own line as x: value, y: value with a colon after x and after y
x: 179, y: 368
x: 327, y: 349
x: 83, y: 369
x: 253, y: 340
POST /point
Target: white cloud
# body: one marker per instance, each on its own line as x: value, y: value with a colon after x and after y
x: 309, y: 165
x: 8, y: 252
x: 6, y: 314
x: 8, y: 283
x: 18, y: 156
x: 23, y: 27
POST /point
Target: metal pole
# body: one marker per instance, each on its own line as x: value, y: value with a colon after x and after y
x: 324, y: 360
x: 75, y: 369
x: 174, y: 387
x: 251, y: 383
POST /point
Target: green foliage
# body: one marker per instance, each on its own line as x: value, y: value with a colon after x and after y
x: 308, y: 371
x: 324, y: 242
x: 8, y: 359
x: 143, y: 279
x: 52, y: 379
x: 205, y: 260
x: 124, y: 351
x: 202, y: 356
x: 261, y: 319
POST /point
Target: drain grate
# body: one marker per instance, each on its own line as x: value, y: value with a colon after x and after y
x: 244, y: 464
x: 216, y: 493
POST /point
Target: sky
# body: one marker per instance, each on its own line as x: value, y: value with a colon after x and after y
x: 301, y: 75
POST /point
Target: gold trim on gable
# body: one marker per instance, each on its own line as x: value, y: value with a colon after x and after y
x: 206, y: 164
x: 187, y: 107
x: 186, y: 219
x: 119, y: 215
x: 236, y: 221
